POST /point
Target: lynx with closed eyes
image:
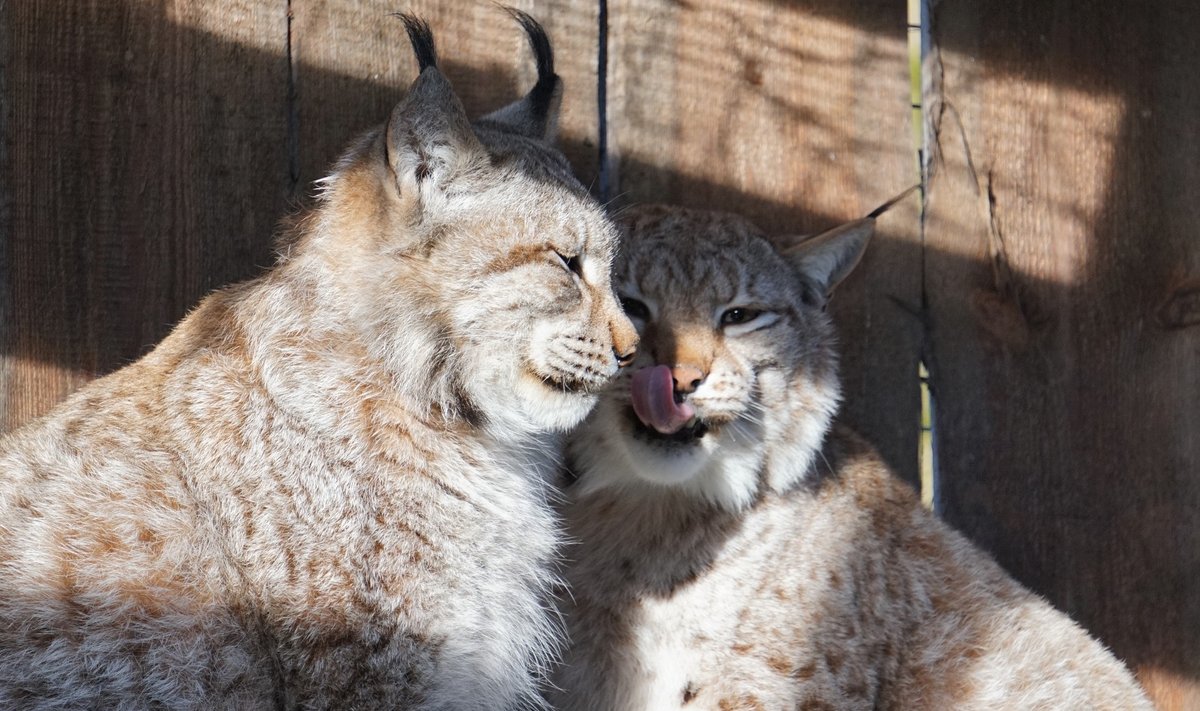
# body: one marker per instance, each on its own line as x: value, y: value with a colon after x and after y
x: 327, y: 488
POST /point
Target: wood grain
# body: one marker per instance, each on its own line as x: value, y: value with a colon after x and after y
x: 150, y: 147
x: 1063, y: 267
x: 145, y: 165
x: 352, y: 63
x: 796, y: 115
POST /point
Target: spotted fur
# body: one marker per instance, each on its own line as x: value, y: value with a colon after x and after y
x: 327, y: 488
x: 769, y: 560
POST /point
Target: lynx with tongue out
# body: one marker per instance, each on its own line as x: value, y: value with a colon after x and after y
x: 734, y: 550
x: 652, y: 392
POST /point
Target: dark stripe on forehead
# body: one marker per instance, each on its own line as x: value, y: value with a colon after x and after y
x: 752, y: 279
x: 518, y: 257
x: 727, y: 281
x: 682, y: 274
x: 722, y: 270
x: 707, y: 280
x: 677, y: 269
x: 658, y: 271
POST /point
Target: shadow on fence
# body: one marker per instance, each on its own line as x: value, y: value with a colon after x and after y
x: 147, y: 163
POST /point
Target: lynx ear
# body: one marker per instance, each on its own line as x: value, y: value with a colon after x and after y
x: 827, y: 258
x: 535, y: 115
x: 830, y: 256
x: 429, y: 139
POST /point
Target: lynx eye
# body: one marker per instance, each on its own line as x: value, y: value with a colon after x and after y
x: 736, y: 316
x: 571, y: 263
x: 634, y: 308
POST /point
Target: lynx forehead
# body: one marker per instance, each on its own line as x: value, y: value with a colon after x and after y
x: 327, y: 488
x: 733, y: 549
x: 724, y: 254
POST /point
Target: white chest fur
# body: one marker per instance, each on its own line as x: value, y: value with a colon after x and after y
x: 678, y: 649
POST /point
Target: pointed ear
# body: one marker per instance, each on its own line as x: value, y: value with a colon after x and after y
x: 535, y: 115
x: 429, y: 140
x: 829, y: 257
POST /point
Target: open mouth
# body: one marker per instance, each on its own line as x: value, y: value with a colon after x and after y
x: 690, y: 433
x: 661, y: 413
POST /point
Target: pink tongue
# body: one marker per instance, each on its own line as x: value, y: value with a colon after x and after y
x: 654, y: 400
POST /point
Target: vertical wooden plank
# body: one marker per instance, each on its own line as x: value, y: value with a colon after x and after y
x: 145, y: 165
x: 6, y: 310
x: 352, y: 63
x: 1064, y: 286
x: 796, y: 115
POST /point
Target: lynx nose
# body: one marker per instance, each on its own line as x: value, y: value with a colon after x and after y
x: 687, y: 378
x: 624, y: 338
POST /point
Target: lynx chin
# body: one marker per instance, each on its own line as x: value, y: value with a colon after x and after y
x: 327, y: 488
x: 734, y: 549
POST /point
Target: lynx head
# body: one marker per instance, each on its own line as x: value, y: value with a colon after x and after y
x: 467, y: 259
x: 735, y: 382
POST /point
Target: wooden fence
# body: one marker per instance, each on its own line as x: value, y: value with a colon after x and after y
x: 1052, y: 284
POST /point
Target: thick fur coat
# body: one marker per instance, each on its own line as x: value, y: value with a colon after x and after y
x: 735, y: 550
x: 328, y: 486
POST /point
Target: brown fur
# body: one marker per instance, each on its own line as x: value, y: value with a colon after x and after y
x: 774, y: 562
x: 328, y: 487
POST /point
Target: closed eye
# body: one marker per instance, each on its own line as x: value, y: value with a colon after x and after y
x: 572, y: 264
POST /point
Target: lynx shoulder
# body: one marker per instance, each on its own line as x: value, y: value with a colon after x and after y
x: 327, y: 488
x: 735, y: 549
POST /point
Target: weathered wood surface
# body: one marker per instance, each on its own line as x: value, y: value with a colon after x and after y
x: 150, y: 147
x: 1063, y: 268
x: 796, y: 115
x: 145, y: 164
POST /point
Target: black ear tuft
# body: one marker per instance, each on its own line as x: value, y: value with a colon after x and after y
x: 421, y: 38
x: 428, y: 140
x: 891, y: 203
x: 535, y: 115
x: 541, y: 96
